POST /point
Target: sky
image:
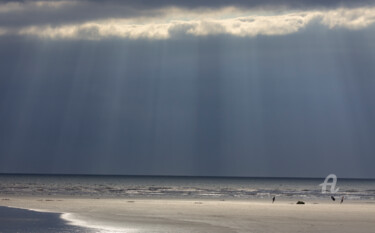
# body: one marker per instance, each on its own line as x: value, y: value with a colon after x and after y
x: 204, y: 88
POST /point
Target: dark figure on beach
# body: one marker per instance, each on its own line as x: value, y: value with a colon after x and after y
x: 342, y: 199
x: 273, y: 199
x: 333, y: 198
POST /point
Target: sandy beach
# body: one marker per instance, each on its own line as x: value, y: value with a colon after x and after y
x: 148, y: 215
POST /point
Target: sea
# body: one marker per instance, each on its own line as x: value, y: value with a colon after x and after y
x: 14, y: 220
x: 98, y: 186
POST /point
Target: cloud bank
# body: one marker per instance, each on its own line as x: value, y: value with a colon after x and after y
x: 163, y: 21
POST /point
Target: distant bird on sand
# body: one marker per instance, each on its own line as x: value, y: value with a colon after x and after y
x: 273, y: 199
x: 342, y: 199
x: 333, y: 198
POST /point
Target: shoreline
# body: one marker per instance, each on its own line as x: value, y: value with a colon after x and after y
x: 201, y: 215
x: 279, y: 199
x: 23, y: 220
x: 68, y: 219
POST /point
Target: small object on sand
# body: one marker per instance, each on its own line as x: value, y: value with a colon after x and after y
x: 342, y: 199
x: 333, y: 198
x: 273, y: 199
x: 300, y: 203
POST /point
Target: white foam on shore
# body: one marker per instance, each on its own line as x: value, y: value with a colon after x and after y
x: 73, y: 220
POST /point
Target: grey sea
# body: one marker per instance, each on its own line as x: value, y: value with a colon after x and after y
x: 27, y: 221
x: 180, y: 187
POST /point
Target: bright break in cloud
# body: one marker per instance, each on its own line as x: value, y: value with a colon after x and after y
x: 169, y: 21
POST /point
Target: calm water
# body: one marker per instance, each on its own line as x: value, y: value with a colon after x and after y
x: 27, y: 221
x: 179, y: 187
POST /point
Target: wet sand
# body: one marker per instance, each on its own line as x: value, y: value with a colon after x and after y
x: 147, y: 215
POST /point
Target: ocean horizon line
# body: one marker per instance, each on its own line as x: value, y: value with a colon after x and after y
x: 177, y: 176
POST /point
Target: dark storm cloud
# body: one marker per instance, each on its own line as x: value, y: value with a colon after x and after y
x: 24, y: 13
x: 241, y: 3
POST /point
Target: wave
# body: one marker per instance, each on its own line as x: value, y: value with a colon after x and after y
x: 176, y: 188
